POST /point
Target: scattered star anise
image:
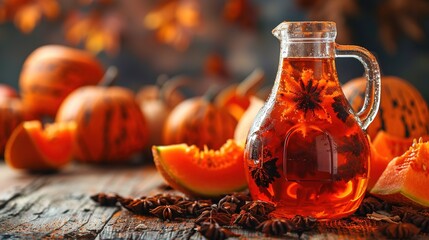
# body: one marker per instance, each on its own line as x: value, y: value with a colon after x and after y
x: 264, y: 173
x: 369, y: 205
x: 275, y: 227
x: 302, y: 224
x: 105, y: 199
x: 196, y: 207
x: 167, y: 212
x: 166, y: 199
x: 246, y: 220
x: 418, y: 219
x: 214, y: 215
x: 214, y: 231
x: 140, y: 206
x: 231, y: 203
x: 399, y: 230
x: 258, y: 208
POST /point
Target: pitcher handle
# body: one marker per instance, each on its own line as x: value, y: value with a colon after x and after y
x: 372, y: 73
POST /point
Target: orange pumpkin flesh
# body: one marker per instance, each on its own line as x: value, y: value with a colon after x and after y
x: 31, y: 147
x: 207, y: 173
x: 406, y: 177
x: 11, y: 115
x: 390, y: 146
x: 378, y: 163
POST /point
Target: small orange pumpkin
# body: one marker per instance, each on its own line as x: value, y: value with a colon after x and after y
x: 7, y: 91
x: 156, y: 103
x: 403, y: 111
x: 197, y: 121
x: 110, y: 125
x: 236, y: 98
x: 52, y: 72
x: 11, y: 116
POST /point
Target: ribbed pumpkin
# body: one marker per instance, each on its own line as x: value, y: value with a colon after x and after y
x: 197, y: 121
x: 403, y: 111
x: 52, y: 72
x: 11, y: 116
x: 7, y: 91
x: 110, y: 125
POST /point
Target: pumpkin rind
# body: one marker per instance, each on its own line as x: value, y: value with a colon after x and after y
x: 197, y: 121
x: 52, y: 72
x: 10, y: 117
x: 406, y: 177
x: 110, y: 125
x: 403, y: 111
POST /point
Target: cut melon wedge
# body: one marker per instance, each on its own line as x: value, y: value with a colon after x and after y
x: 204, y: 173
x: 405, y: 179
x: 32, y: 147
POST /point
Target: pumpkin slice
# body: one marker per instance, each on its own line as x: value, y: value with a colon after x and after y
x: 33, y: 148
x: 205, y: 173
x: 406, y: 177
x: 390, y: 146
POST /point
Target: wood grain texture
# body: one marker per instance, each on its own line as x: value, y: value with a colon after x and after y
x: 57, y: 206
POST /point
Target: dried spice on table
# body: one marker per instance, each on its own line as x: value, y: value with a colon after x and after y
x: 141, y: 206
x: 258, y: 208
x: 194, y: 207
x: 232, y: 203
x: 167, y: 212
x: 418, y: 219
x: 214, y: 231
x: 399, y: 230
x: 275, y: 227
x: 303, y: 224
x: 247, y: 220
x: 214, y: 215
x: 105, y: 199
x: 369, y: 205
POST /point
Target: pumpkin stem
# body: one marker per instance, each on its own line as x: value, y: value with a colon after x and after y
x: 161, y: 80
x: 250, y: 85
x: 110, y: 77
x: 211, y: 93
x: 171, y: 85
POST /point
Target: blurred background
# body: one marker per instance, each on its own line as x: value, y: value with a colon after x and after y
x: 221, y: 40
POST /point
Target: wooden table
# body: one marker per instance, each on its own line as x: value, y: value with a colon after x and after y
x: 57, y: 205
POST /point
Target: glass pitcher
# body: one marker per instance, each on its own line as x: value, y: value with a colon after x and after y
x: 307, y: 151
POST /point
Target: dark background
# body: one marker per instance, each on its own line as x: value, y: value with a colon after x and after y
x: 141, y: 58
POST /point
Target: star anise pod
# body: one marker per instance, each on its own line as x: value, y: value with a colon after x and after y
x: 369, y: 205
x: 339, y: 108
x: 258, y: 208
x: 105, y: 199
x: 167, y: 212
x: 195, y: 207
x: 309, y: 96
x: 420, y: 220
x: 246, y: 220
x: 275, y: 227
x: 231, y: 203
x: 264, y: 174
x: 302, y: 224
x: 140, y: 206
x: 167, y: 199
x: 214, y: 231
x: 399, y: 230
x: 214, y: 215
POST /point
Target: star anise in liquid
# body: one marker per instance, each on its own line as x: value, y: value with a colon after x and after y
x: 167, y: 212
x: 275, y: 227
x: 214, y: 231
x: 105, y: 199
x: 264, y: 173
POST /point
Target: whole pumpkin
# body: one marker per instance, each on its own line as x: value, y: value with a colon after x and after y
x: 52, y: 72
x: 11, y: 116
x: 110, y: 125
x: 197, y: 121
x: 403, y: 112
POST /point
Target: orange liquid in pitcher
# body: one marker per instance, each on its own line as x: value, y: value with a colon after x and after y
x: 306, y: 153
